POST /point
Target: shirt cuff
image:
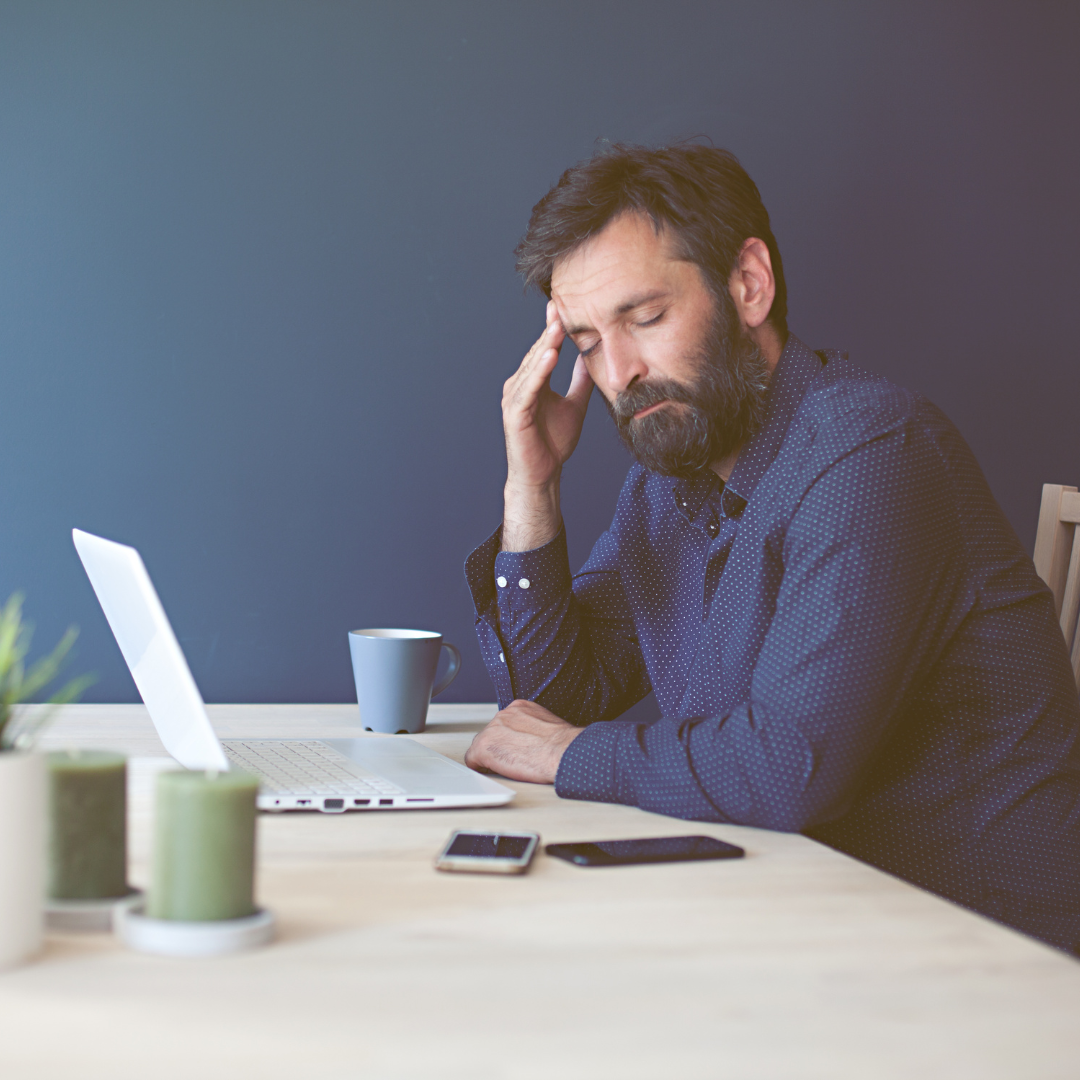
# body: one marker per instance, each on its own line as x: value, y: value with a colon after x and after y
x: 531, y: 581
x: 587, y: 768
x: 517, y: 582
x: 480, y: 574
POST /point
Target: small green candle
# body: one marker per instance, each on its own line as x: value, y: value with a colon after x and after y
x: 87, y: 825
x: 204, y: 846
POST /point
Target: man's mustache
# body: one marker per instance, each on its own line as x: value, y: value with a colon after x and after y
x: 643, y: 395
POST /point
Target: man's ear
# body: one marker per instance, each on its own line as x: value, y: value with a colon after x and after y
x: 752, y: 285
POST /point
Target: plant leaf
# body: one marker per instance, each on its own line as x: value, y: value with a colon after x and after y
x: 48, y: 667
x: 17, y: 684
x: 26, y: 731
x: 14, y: 639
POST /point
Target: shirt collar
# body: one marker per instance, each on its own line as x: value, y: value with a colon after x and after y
x: 787, y: 386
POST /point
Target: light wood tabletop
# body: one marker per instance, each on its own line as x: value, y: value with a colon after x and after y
x: 795, y: 962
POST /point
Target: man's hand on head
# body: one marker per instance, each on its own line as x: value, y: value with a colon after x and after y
x: 523, y: 742
x: 542, y: 428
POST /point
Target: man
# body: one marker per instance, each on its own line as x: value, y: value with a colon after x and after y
x: 806, y: 566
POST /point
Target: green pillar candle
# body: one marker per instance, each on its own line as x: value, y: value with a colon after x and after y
x: 87, y: 825
x: 204, y: 846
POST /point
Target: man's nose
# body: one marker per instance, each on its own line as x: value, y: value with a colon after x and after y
x: 623, y: 363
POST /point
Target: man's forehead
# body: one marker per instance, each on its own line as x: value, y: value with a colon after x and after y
x: 628, y: 256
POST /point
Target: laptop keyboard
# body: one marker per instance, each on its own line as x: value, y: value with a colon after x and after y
x: 302, y: 767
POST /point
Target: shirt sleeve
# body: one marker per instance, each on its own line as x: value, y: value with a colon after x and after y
x: 565, y: 642
x: 871, y: 566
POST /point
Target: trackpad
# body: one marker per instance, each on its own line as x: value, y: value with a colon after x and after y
x: 410, y: 765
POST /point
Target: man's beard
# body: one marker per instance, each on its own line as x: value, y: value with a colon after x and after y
x: 708, y: 419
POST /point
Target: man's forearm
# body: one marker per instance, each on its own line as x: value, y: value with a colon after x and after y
x: 531, y: 517
x: 532, y: 636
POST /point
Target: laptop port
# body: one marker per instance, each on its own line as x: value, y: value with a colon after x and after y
x: 303, y: 802
x: 360, y: 802
x: 386, y: 802
x: 333, y: 804
x: 419, y: 800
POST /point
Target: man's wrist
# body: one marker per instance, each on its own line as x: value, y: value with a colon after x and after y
x: 532, y: 517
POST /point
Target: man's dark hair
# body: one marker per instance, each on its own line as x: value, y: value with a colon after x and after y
x: 701, y: 193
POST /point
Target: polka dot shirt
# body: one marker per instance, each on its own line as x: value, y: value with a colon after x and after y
x: 846, y: 640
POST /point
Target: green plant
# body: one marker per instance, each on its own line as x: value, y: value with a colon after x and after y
x: 19, y: 684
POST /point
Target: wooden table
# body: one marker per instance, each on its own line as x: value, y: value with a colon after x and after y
x: 794, y: 962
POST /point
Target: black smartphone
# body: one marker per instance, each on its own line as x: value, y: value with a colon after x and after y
x: 654, y: 850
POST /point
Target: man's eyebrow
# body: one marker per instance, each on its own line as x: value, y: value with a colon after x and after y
x: 623, y: 308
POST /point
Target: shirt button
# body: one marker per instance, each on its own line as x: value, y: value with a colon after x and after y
x: 502, y: 659
x: 501, y: 582
x: 714, y: 529
x: 523, y: 583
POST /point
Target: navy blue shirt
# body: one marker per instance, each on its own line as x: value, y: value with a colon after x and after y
x: 846, y: 639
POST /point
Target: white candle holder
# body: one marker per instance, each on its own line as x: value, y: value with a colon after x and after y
x: 171, y: 937
x: 22, y: 855
x: 87, y: 915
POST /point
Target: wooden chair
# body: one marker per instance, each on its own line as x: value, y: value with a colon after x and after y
x: 1057, y: 560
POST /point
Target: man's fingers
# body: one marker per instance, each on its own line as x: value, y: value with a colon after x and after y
x: 537, y: 376
x: 545, y: 342
x: 473, y: 757
x: 482, y: 755
x: 522, y: 395
x: 552, y: 336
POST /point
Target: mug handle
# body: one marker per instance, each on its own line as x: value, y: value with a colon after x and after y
x: 451, y: 671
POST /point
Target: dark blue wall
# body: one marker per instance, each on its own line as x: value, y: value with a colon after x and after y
x: 257, y: 296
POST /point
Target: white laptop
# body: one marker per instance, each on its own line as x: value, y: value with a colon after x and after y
x: 332, y: 775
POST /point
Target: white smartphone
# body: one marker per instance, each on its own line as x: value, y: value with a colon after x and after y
x: 488, y: 853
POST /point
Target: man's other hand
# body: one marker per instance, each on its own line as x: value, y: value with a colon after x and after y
x: 523, y: 742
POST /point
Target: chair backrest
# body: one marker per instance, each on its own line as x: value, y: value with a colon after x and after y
x: 1057, y: 559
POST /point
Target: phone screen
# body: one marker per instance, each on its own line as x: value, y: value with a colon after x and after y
x: 651, y: 850
x: 488, y: 846
x: 488, y: 853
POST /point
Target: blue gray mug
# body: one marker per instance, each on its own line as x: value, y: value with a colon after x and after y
x: 395, y: 672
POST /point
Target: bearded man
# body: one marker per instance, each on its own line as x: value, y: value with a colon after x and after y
x: 806, y: 566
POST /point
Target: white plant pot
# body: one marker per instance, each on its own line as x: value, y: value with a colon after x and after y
x: 22, y: 855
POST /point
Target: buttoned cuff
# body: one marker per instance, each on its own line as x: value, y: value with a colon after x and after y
x: 517, y: 582
x: 587, y: 768
x: 480, y: 574
x: 532, y: 581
